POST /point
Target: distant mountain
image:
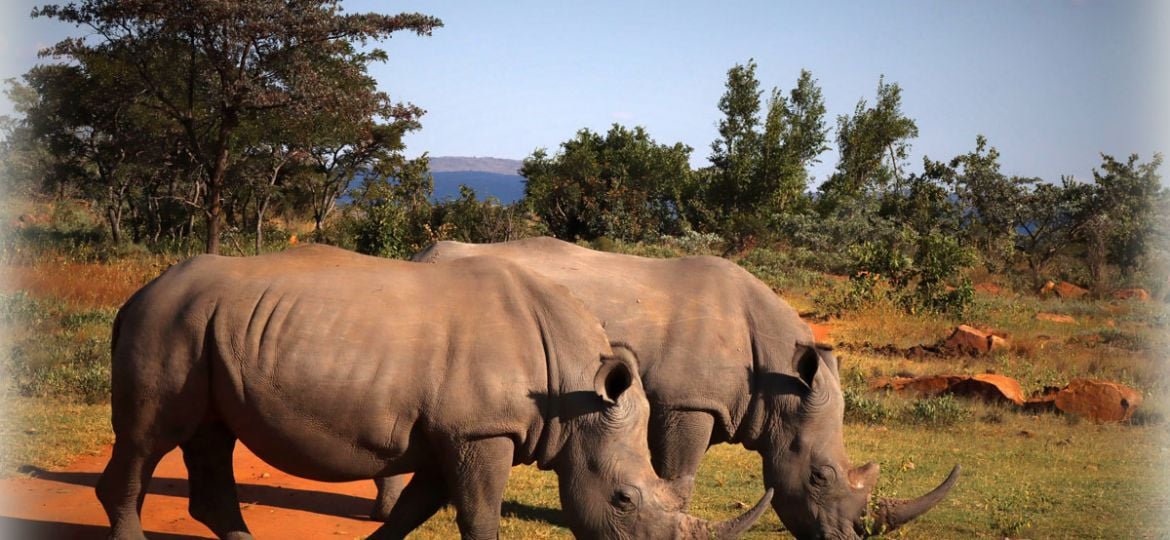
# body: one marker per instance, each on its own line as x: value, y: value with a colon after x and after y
x: 476, y: 164
x: 488, y: 176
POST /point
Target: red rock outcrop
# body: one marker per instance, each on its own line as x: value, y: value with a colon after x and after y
x: 1100, y: 401
x: 970, y: 340
x: 1132, y: 294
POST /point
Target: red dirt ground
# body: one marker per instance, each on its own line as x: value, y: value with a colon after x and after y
x: 61, y: 505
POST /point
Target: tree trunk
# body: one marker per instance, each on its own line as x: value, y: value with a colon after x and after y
x: 114, y: 218
x: 215, y: 201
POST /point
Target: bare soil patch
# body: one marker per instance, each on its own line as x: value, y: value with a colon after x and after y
x: 61, y: 504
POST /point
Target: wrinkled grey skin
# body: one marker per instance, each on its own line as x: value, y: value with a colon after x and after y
x: 336, y: 366
x: 723, y: 360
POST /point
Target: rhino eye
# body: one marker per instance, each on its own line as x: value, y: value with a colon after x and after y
x: 623, y: 499
x: 824, y: 475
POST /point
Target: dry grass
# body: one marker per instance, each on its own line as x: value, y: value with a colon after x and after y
x: 84, y: 284
x: 49, y: 433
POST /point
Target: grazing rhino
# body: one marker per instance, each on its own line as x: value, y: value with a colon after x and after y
x: 723, y: 360
x: 336, y: 366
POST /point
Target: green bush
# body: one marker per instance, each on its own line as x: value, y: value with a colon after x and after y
x: 939, y: 411
x: 863, y: 409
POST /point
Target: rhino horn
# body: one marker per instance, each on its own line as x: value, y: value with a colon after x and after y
x: 732, y: 528
x: 893, y: 513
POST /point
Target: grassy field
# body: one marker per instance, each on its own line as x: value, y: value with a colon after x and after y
x: 1024, y: 476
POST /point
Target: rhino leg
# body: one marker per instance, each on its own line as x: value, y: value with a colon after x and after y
x: 678, y: 441
x: 389, y: 491
x: 122, y: 488
x: 213, y: 498
x: 420, y: 499
x: 477, y: 471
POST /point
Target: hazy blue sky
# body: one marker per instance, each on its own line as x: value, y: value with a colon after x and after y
x: 1050, y: 83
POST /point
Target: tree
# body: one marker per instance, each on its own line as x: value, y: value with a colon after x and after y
x: 1045, y: 221
x: 1126, y: 198
x: 795, y: 135
x: 989, y: 202
x: 209, y: 67
x: 735, y: 153
x: 873, y: 145
x: 758, y: 174
x: 620, y: 185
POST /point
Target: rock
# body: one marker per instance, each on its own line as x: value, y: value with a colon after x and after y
x: 1132, y: 294
x: 1066, y: 290
x: 989, y: 288
x: 990, y: 388
x: 925, y: 386
x: 1100, y: 401
x: 969, y: 340
x: 997, y: 343
x: 1052, y: 317
x: 1047, y: 288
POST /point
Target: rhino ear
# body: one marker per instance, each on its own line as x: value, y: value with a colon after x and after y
x: 807, y: 362
x: 617, y: 373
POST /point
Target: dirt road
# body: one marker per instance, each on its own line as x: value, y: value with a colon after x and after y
x: 61, y: 505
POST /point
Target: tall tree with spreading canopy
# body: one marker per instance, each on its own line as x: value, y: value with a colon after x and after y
x: 210, y: 66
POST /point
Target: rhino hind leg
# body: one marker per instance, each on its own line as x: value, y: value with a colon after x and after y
x: 122, y: 488
x: 213, y: 497
x: 389, y: 491
x: 420, y: 499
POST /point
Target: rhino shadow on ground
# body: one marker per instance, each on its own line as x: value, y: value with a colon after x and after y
x: 32, y: 529
x: 536, y: 514
x: 317, y: 502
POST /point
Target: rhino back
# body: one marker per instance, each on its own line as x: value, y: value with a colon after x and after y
x: 318, y: 354
x: 701, y: 325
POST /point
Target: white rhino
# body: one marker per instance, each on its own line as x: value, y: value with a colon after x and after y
x: 723, y: 360
x: 336, y: 366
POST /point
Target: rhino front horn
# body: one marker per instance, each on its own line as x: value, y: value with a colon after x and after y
x: 732, y: 528
x: 893, y: 513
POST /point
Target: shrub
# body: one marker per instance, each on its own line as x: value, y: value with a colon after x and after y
x: 939, y: 411
x: 863, y: 409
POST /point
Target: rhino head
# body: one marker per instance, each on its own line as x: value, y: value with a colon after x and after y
x: 608, y: 487
x: 818, y: 493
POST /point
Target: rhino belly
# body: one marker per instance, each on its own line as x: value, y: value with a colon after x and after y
x: 329, y: 429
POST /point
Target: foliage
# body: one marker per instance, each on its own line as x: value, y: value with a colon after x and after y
x: 941, y: 411
x: 873, y: 145
x: 67, y: 358
x: 861, y: 408
x: 620, y: 185
x: 393, y: 211
x: 757, y: 175
x: 183, y: 91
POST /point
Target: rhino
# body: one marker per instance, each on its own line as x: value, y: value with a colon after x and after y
x: 336, y: 366
x: 723, y: 360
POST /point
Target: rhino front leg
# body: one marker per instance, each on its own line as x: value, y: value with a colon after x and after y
x: 389, y: 491
x: 423, y: 496
x: 476, y: 472
x: 678, y: 440
x: 213, y: 498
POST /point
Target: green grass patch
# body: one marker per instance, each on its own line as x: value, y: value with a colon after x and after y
x: 49, y: 433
